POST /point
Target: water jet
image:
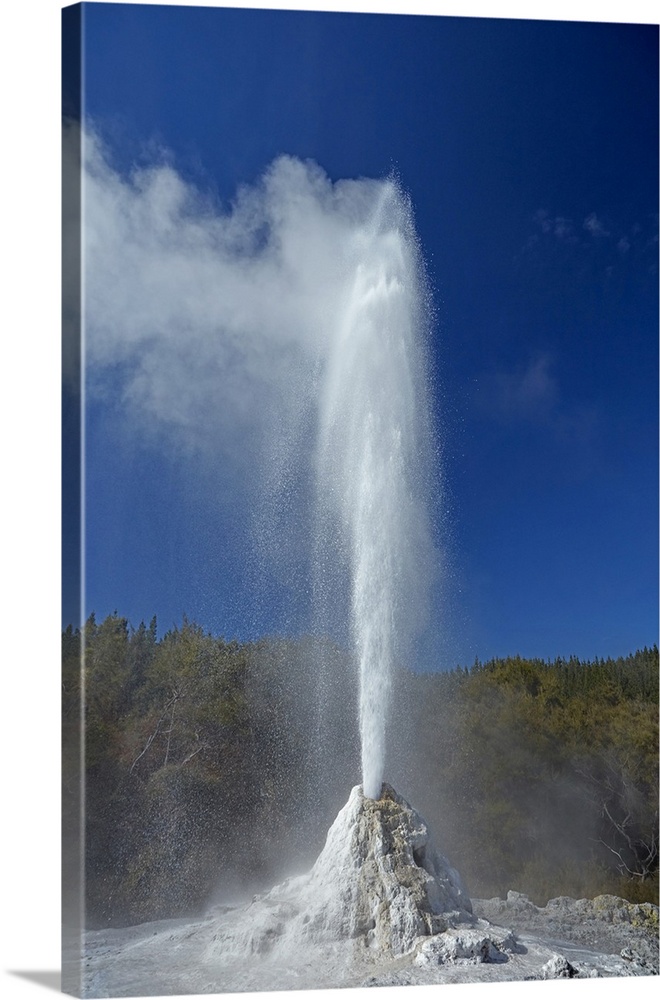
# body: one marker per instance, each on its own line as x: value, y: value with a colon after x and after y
x: 372, y: 456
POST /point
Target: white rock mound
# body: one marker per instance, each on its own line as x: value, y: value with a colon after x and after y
x: 378, y: 883
x: 380, y: 907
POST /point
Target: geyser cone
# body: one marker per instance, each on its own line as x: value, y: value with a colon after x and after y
x: 378, y: 881
x: 391, y: 882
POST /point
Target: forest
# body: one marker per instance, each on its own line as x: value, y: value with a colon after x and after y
x: 212, y: 769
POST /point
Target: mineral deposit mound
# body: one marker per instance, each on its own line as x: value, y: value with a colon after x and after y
x: 378, y: 883
x: 381, y: 906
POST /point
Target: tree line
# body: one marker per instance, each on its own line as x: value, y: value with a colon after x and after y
x: 212, y: 768
x: 543, y: 776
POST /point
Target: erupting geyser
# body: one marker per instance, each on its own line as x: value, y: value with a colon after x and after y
x: 302, y: 314
x: 372, y: 451
x: 294, y: 326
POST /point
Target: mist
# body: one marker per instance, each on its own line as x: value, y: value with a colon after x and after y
x: 275, y: 349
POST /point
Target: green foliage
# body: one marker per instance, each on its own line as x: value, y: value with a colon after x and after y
x: 199, y: 754
x: 554, y: 787
x: 202, y: 764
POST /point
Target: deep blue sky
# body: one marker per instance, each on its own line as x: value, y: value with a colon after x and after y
x: 529, y: 150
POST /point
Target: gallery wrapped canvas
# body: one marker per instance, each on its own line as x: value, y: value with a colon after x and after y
x: 360, y: 673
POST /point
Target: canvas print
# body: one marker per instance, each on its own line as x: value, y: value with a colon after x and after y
x: 360, y: 664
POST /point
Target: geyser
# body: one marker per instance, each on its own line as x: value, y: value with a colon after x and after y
x: 280, y: 347
x: 372, y: 449
x: 292, y: 327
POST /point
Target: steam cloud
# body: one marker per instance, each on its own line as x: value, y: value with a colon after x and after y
x: 282, y: 338
x: 217, y: 319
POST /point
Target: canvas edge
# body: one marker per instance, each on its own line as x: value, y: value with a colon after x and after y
x: 73, y: 909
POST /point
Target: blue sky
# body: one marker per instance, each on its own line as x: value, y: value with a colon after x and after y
x: 529, y: 150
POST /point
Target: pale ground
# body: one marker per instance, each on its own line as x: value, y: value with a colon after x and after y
x: 380, y: 907
x: 170, y: 957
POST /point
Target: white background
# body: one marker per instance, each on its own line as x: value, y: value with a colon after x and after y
x: 29, y: 494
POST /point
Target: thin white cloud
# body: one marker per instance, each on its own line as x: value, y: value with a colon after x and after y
x: 530, y: 395
x: 526, y: 393
x: 604, y: 247
x: 563, y: 228
x: 595, y: 226
x: 558, y: 226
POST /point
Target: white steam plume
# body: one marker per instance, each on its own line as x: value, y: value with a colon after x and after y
x: 284, y: 339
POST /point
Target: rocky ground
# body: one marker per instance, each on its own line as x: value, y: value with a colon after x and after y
x: 380, y: 907
x: 605, y: 925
